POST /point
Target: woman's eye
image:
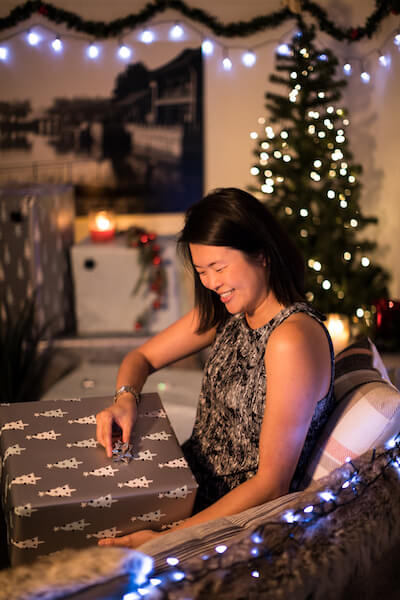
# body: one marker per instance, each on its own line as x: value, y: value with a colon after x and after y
x: 220, y: 269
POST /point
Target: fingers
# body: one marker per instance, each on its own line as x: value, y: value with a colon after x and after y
x: 124, y: 541
x: 104, y: 422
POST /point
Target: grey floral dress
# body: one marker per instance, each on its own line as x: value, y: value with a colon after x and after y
x: 223, y: 448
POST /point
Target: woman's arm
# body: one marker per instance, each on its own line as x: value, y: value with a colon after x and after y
x: 297, y: 361
x: 174, y: 343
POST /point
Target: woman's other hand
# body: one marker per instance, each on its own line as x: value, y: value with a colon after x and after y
x: 132, y: 540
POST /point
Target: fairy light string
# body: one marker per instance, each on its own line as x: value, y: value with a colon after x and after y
x: 254, y: 554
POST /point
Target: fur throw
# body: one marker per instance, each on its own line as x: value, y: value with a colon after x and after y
x: 68, y: 571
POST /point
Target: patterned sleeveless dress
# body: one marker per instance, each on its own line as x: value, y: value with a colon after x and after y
x: 223, y: 448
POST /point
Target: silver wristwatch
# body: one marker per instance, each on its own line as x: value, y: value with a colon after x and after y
x: 130, y: 389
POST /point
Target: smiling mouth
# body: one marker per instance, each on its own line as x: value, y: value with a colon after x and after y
x: 226, y: 296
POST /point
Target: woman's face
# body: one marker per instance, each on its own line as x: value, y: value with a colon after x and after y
x: 239, y: 281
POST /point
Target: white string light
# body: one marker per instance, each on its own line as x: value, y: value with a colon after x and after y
x: 93, y: 51
x: 248, y: 57
x: 124, y: 52
x: 57, y: 45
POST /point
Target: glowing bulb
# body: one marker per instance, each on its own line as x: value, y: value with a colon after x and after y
x: 264, y: 156
x: 343, y: 204
x: 207, y: 47
x: 326, y: 284
x: 171, y: 560
x: 249, y: 59
x: 347, y: 256
x: 321, y: 134
x: 360, y: 313
x: 178, y: 576
x: 221, y: 549
x: 303, y: 212
x: 176, y: 32
x: 287, y: 158
x: 284, y: 50
x: 353, y: 222
x: 254, y: 170
x: 384, y: 60
x: 347, y: 69
x: 317, y: 265
x: 124, y: 52
x: 396, y: 40
x: 365, y: 77
x: 293, y: 75
x: 303, y: 233
x: 254, y: 135
x: 322, y: 57
x: 289, y: 516
x: 284, y: 135
x: 351, y: 179
x: 330, y: 110
x: 147, y: 36
x: 327, y: 496
x: 317, y: 163
x: 3, y: 53
x: 93, y: 51
x: 288, y: 210
x: 227, y: 63
x: 365, y: 261
x: 33, y: 38
x: 255, y: 573
x: 57, y: 45
x: 265, y: 145
x: 311, y: 129
x: 308, y: 509
x: 277, y: 154
x: 321, y: 94
x: 330, y: 194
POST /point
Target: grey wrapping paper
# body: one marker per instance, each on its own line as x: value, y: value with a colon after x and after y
x: 60, y: 490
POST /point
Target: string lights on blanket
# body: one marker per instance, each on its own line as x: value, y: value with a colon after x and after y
x: 295, y: 525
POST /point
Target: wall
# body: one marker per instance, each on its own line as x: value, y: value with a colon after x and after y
x: 234, y: 100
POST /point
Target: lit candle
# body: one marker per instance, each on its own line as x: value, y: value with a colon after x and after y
x: 102, y: 226
x: 339, y: 329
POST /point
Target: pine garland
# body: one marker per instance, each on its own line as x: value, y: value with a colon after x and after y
x: 115, y: 28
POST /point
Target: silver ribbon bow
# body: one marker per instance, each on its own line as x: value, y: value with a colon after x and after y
x: 122, y: 452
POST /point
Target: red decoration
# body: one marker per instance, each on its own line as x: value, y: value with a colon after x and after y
x: 156, y: 304
x: 43, y: 10
x: 388, y: 324
x: 138, y: 326
x: 156, y: 260
x: 354, y: 33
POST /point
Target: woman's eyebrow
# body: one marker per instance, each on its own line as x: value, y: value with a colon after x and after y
x: 211, y: 264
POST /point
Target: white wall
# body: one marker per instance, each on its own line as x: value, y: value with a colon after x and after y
x: 234, y: 100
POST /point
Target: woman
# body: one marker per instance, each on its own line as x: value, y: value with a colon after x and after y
x: 268, y: 385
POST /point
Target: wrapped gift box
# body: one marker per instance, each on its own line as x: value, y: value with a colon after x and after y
x: 36, y: 231
x: 60, y: 490
x: 105, y: 277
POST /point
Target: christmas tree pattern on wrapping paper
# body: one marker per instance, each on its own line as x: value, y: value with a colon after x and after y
x: 180, y: 492
x: 25, y: 544
x: 25, y: 511
x: 44, y: 435
x: 90, y: 443
x: 160, y: 436
x: 144, y: 455
x: 176, y: 463
x: 63, y: 491
x: 171, y: 525
x: 68, y: 463
x: 101, y: 502
x: 105, y: 533
x: 90, y: 420
x: 28, y: 479
x: 107, y: 471
x: 139, y: 482
x: 154, y: 414
x: 15, y: 450
x: 14, y: 426
x: 150, y: 516
x: 74, y: 526
x: 58, y: 413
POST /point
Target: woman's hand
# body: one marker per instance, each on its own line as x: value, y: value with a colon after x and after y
x: 132, y: 540
x: 122, y: 414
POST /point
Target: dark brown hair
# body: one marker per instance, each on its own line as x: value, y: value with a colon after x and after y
x: 233, y: 218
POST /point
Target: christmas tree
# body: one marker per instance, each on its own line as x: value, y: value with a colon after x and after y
x: 308, y: 180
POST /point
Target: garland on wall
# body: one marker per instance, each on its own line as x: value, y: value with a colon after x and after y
x: 115, y: 28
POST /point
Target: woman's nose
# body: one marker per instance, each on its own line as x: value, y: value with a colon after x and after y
x: 214, y: 281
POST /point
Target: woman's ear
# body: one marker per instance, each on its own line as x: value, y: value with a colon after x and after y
x: 260, y: 258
